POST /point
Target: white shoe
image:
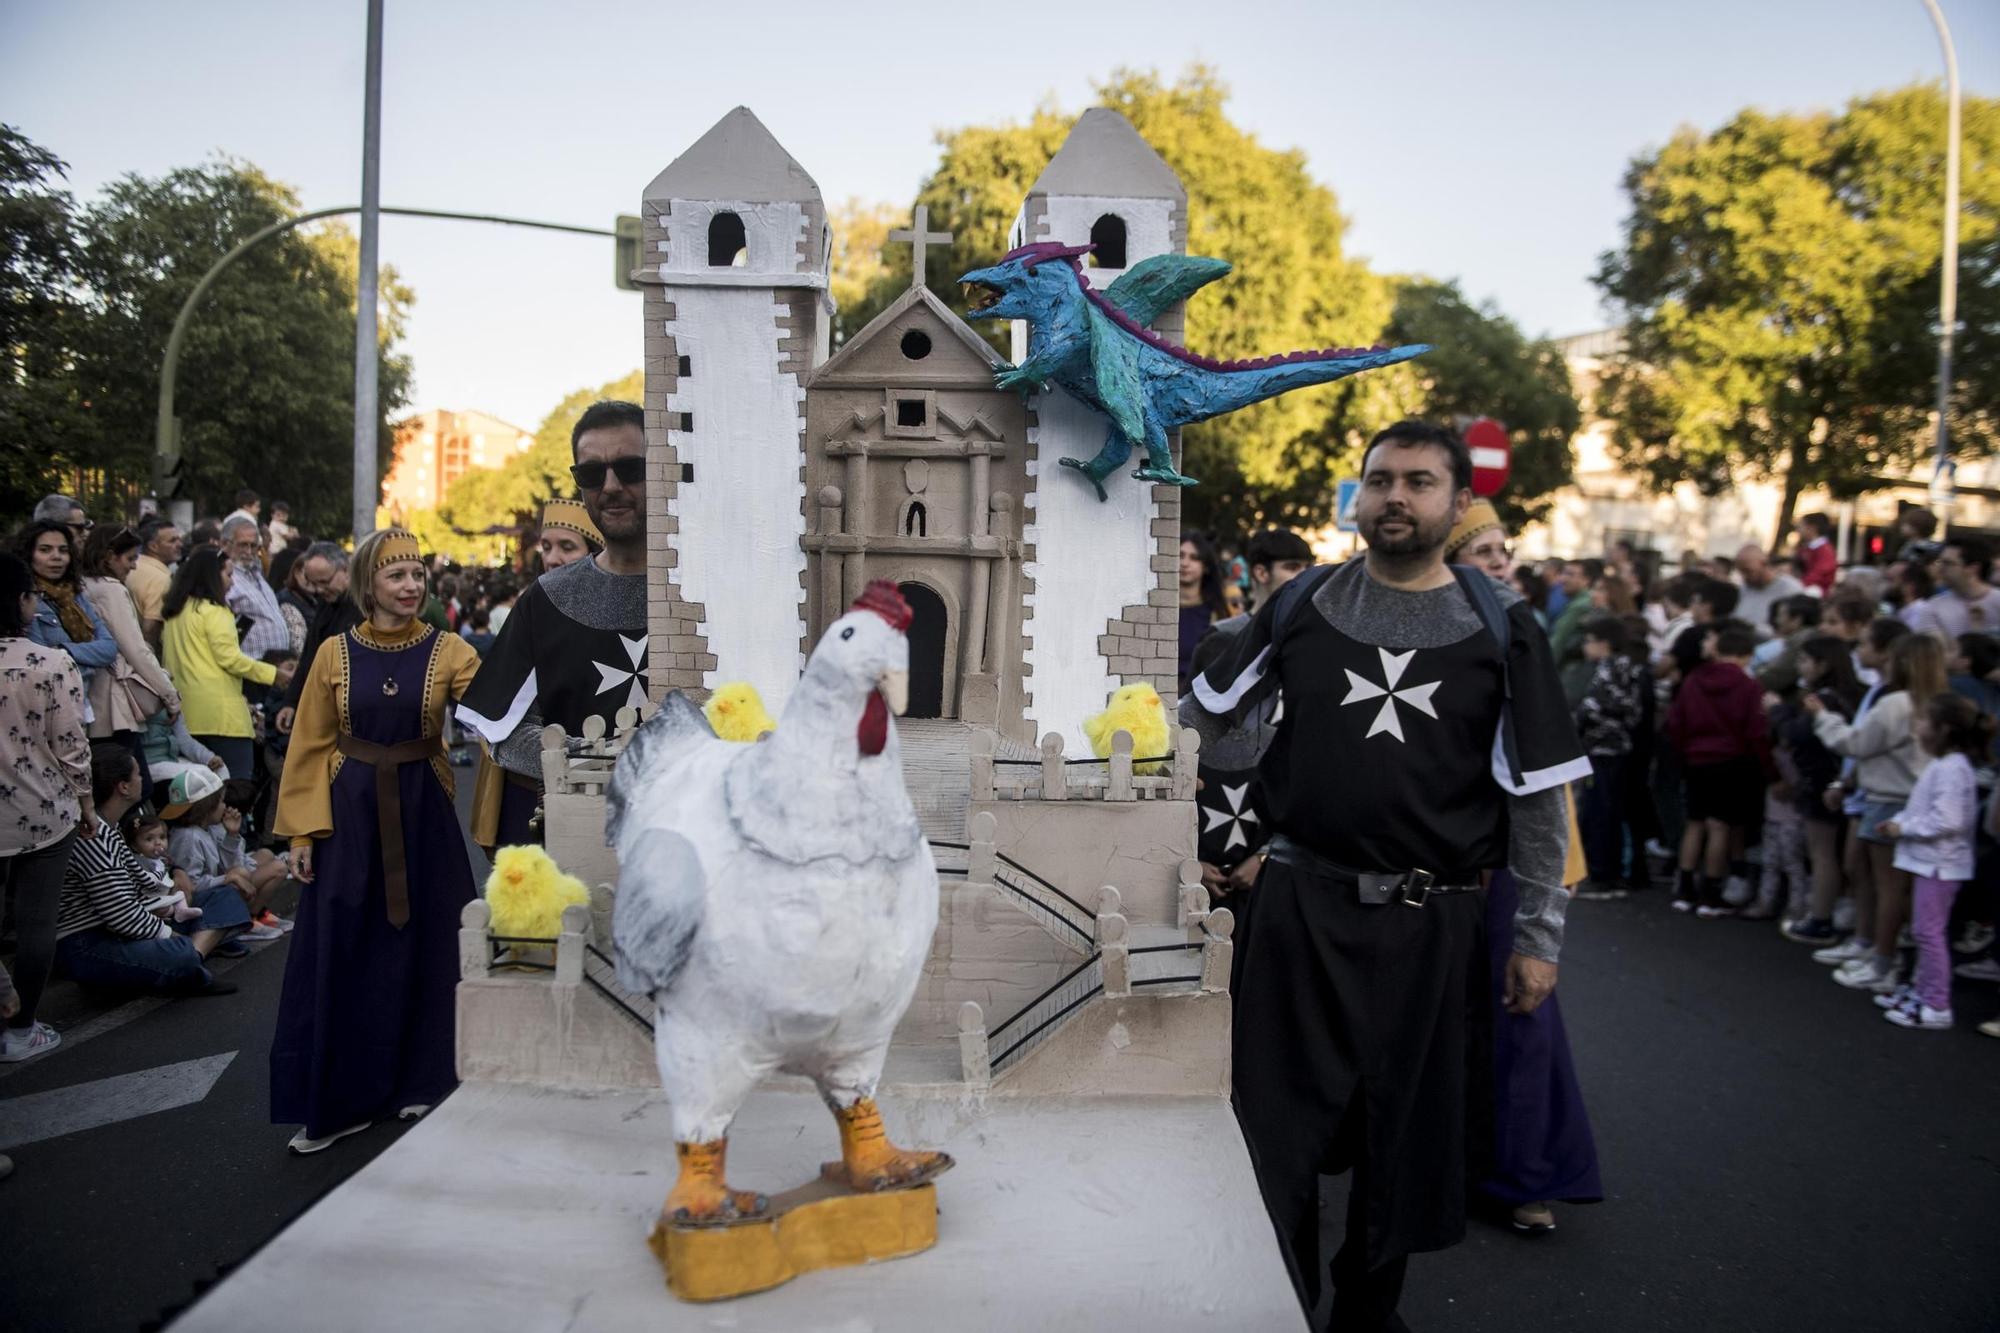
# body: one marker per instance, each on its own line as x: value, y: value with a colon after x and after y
x: 1867, y: 974
x: 26, y: 1043
x: 301, y: 1145
x: 1658, y: 850
x: 1847, y: 951
x: 253, y: 931
x: 1922, y: 1017
x: 1736, y: 891
x: 1903, y: 997
x: 1984, y: 969
x: 416, y: 1111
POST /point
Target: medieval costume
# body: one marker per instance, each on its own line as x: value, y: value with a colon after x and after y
x: 574, y: 647
x: 366, y: 1019
x: 1414, y: 754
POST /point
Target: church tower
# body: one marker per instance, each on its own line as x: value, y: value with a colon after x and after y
x: 1101, y: 584
x: 737, y: 315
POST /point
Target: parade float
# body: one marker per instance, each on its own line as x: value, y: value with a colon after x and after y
x: 1066, y: 1036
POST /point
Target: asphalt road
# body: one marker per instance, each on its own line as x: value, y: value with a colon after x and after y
x: 1776, y: 1156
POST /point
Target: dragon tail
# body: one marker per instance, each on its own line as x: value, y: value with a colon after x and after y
x: 1241, y: 384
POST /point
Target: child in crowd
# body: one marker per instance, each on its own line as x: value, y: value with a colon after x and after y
x: 1934, y: 835
x: 1606, y: 720
x: 479, y: 632
x: 207, y: 842
x: 1717, y: 727
x: 1826, y: 671
x: 146, y: 834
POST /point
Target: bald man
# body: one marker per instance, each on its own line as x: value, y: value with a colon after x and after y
x: 1763, y: 588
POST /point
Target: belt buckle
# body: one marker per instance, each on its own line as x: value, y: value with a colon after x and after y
x: 1417, y: 882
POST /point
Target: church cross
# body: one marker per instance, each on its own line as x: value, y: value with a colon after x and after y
x: 917, y: 238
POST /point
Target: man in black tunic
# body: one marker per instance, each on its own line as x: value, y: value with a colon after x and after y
x: 1414, y: 754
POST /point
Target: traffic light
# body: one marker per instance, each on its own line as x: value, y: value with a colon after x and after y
x: 626, y: 253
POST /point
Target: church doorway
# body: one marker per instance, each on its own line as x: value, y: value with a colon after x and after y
x: 927, y: 638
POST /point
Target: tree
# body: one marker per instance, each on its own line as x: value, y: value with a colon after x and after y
x: 515, y: 492
x: 41, y: 418
x: 1778, y: 281
x: 861, y: 284
x: 265, y: 385
x: 1293, y: 287
x: 1480, y: 364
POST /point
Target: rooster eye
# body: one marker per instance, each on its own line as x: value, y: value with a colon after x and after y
x: 847, y: 633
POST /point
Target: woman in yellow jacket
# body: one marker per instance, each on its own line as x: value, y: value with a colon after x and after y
x: 207, y: 663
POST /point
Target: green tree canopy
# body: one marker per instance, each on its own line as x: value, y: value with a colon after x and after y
x: 1294, y: 286
x: 1779, y: 282
x: 41, y: 415
x: 1480, y: 364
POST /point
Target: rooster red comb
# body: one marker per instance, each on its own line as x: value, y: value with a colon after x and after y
x: 881, y: 597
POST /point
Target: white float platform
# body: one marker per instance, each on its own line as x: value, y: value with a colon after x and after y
x: 523, y: 1208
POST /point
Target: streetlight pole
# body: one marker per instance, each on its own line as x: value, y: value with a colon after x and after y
x: 1948, y: 296
x: 367, y: 407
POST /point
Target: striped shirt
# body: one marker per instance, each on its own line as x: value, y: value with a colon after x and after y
x: 105, y: 888
x: 250, y: 595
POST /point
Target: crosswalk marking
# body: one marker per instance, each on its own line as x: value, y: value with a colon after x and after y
x: 107, y: 1101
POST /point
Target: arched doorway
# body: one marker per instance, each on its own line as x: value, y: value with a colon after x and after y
x: 928, y: 623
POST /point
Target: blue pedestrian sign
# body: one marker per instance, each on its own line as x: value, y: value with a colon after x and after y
x: 1345, y: 498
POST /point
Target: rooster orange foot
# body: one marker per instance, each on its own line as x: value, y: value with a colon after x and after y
x: 701, y: 1198
x: 869, y: 1162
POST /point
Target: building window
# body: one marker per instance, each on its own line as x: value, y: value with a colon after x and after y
x: 727, y: 246
x: 916, y: 522
x: 1108, y: 235
x: 916, y: 344
x: 685, y: 367
x: 910, y: 412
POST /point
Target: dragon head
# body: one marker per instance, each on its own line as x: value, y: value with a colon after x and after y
x: 1027, y: 283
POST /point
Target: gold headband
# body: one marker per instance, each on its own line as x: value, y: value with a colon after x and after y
x: 396, y: 545
x: 571, y: 516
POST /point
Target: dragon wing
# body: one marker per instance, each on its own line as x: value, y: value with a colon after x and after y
x: 1151, y: 287
x: 1114, y: 367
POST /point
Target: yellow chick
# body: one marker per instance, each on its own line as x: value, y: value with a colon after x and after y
x: 737, y: 713
x: 1139, y: 710
x: 527, y: 893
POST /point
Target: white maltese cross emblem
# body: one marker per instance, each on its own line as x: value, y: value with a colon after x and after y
x: 611, y: 677
x: 1360, y: 689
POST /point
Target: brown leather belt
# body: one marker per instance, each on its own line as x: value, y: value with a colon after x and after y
x: 387, y: 760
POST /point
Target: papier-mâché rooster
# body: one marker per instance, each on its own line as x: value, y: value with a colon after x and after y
x: 776, y: 901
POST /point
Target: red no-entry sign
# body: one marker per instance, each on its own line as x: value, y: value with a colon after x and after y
x: 1492, y: 455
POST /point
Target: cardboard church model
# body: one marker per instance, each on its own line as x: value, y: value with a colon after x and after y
x: 1068, y: 1044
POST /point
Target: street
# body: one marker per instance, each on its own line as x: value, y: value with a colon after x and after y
x: 1775, y: 1155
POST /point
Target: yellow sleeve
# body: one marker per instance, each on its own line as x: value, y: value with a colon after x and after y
x: 1574, y: 869
x: 458, y: 664
x: 305, y: 798
x: 220, y: 627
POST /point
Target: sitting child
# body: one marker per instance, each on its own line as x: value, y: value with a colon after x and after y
x: 146, y: 835
x: 207, y: 842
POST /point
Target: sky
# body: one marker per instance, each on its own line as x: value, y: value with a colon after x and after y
x: 1465, y: 139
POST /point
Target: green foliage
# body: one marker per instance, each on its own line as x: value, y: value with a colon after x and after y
x: 1779, y: 284
x: 1480, y: 364
x: 265, y: 388
x: 515, y: 492
x: 861, y: 283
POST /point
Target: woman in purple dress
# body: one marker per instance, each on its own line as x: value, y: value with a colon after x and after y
x: 366, y: 1019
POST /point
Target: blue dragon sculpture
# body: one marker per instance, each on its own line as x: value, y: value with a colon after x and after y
x: 1097, y: 346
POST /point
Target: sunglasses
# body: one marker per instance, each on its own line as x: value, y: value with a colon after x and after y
x: 630, y: 470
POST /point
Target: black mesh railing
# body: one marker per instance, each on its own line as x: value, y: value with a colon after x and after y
x: 600, y: 973
x: 1038, y: 1016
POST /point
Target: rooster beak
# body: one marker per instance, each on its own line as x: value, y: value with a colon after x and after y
x: 895, y: 687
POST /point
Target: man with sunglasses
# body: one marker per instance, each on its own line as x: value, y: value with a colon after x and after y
x: 575, y: 644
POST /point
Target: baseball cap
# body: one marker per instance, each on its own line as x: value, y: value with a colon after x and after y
x: 187, y: 789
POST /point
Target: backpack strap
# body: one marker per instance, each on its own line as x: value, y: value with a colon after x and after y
x: 1292, y: 597
x: 1485, y: 599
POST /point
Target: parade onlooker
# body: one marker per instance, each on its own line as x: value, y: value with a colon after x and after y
x: 1826, y: 671
x: 1201, y: 599
x: 250, y: 593
x: 153, y: 572
x: 206, y: 841
x: 209, y: 665
x: 1966, y: 603
x: 1717, y: 727
x: 1606, y: 722
x: 1534, y: 590
x: 64, y: 617
x: 1887, y: 762
x: 136, y: 686
x: 111, y: 931
x: 333, y: 615
x: 1276, y: 556
x: 45, y: 801
x: 366, y: 1019
x: 1794, y: 620
x: 1761, y: 587
x: 1820, y: 563
x: 1566, y: 634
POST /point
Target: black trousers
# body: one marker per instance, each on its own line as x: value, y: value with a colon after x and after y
x: 1359, y: 1033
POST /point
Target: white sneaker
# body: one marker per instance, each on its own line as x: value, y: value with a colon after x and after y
x: 1847, y: 951
x: 301, y: 1145
x: 1736, y: 891
x: 1978, y: 938
x: 26, y: 1043
x: 1903, y: 997
x: 1868, y: 974
x: 1983, y: 969
x: 1922, y: 1017
x: 256, y: 932
x: 415, y: 1111
x: 1658, y: 850
x: 1843, y: 914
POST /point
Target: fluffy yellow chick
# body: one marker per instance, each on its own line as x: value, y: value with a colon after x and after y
x: 737, y: 713
x: 1139, y: 710
x: 527, y: 893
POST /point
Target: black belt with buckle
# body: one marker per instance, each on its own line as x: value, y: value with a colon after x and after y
x: 1412, y: 888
